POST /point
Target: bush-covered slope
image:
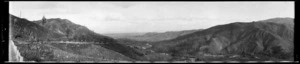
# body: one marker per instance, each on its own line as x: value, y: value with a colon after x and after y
x: 287, y: 21
x: 254, y: 39
x: 75, y: 32
x: 71, y: 31
x: 24, y: 30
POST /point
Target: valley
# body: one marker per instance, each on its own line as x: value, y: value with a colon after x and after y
x: 58, y: 39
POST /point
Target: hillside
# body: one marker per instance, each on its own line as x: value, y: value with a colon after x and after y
x: 262, y: 40
x: 75, y: 32
x: 71, y: 31
x: 25, y: 30
x: 46, y: 42
x: 289, y: 21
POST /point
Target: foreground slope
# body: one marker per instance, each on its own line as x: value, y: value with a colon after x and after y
x: 253, y: 40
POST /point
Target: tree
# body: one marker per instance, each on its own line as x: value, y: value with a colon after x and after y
x: 43, y: 20
x: 68, y: 32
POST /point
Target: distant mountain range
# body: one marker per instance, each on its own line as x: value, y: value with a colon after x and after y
x: 122, y: 35
x: 151, y: 36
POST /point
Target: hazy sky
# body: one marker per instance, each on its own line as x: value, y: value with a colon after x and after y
x: 124, y: 17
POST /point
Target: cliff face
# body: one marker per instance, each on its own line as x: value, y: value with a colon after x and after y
x: 254, y: 39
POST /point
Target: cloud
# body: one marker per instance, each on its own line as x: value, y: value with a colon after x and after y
x: 51, y: 5
x: 123, y: 4
x: 105, y: 17
x: 112, y: 19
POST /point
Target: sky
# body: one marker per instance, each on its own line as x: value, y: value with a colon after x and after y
x: 126, y: 17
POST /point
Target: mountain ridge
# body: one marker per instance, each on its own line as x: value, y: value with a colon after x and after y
x: 233, y: 37
x: 25, y: 31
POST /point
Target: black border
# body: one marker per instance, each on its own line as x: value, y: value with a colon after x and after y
x: 4, y: 31
x: 4, y: 19
x: 296, y: 54
x: 153, y: 0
